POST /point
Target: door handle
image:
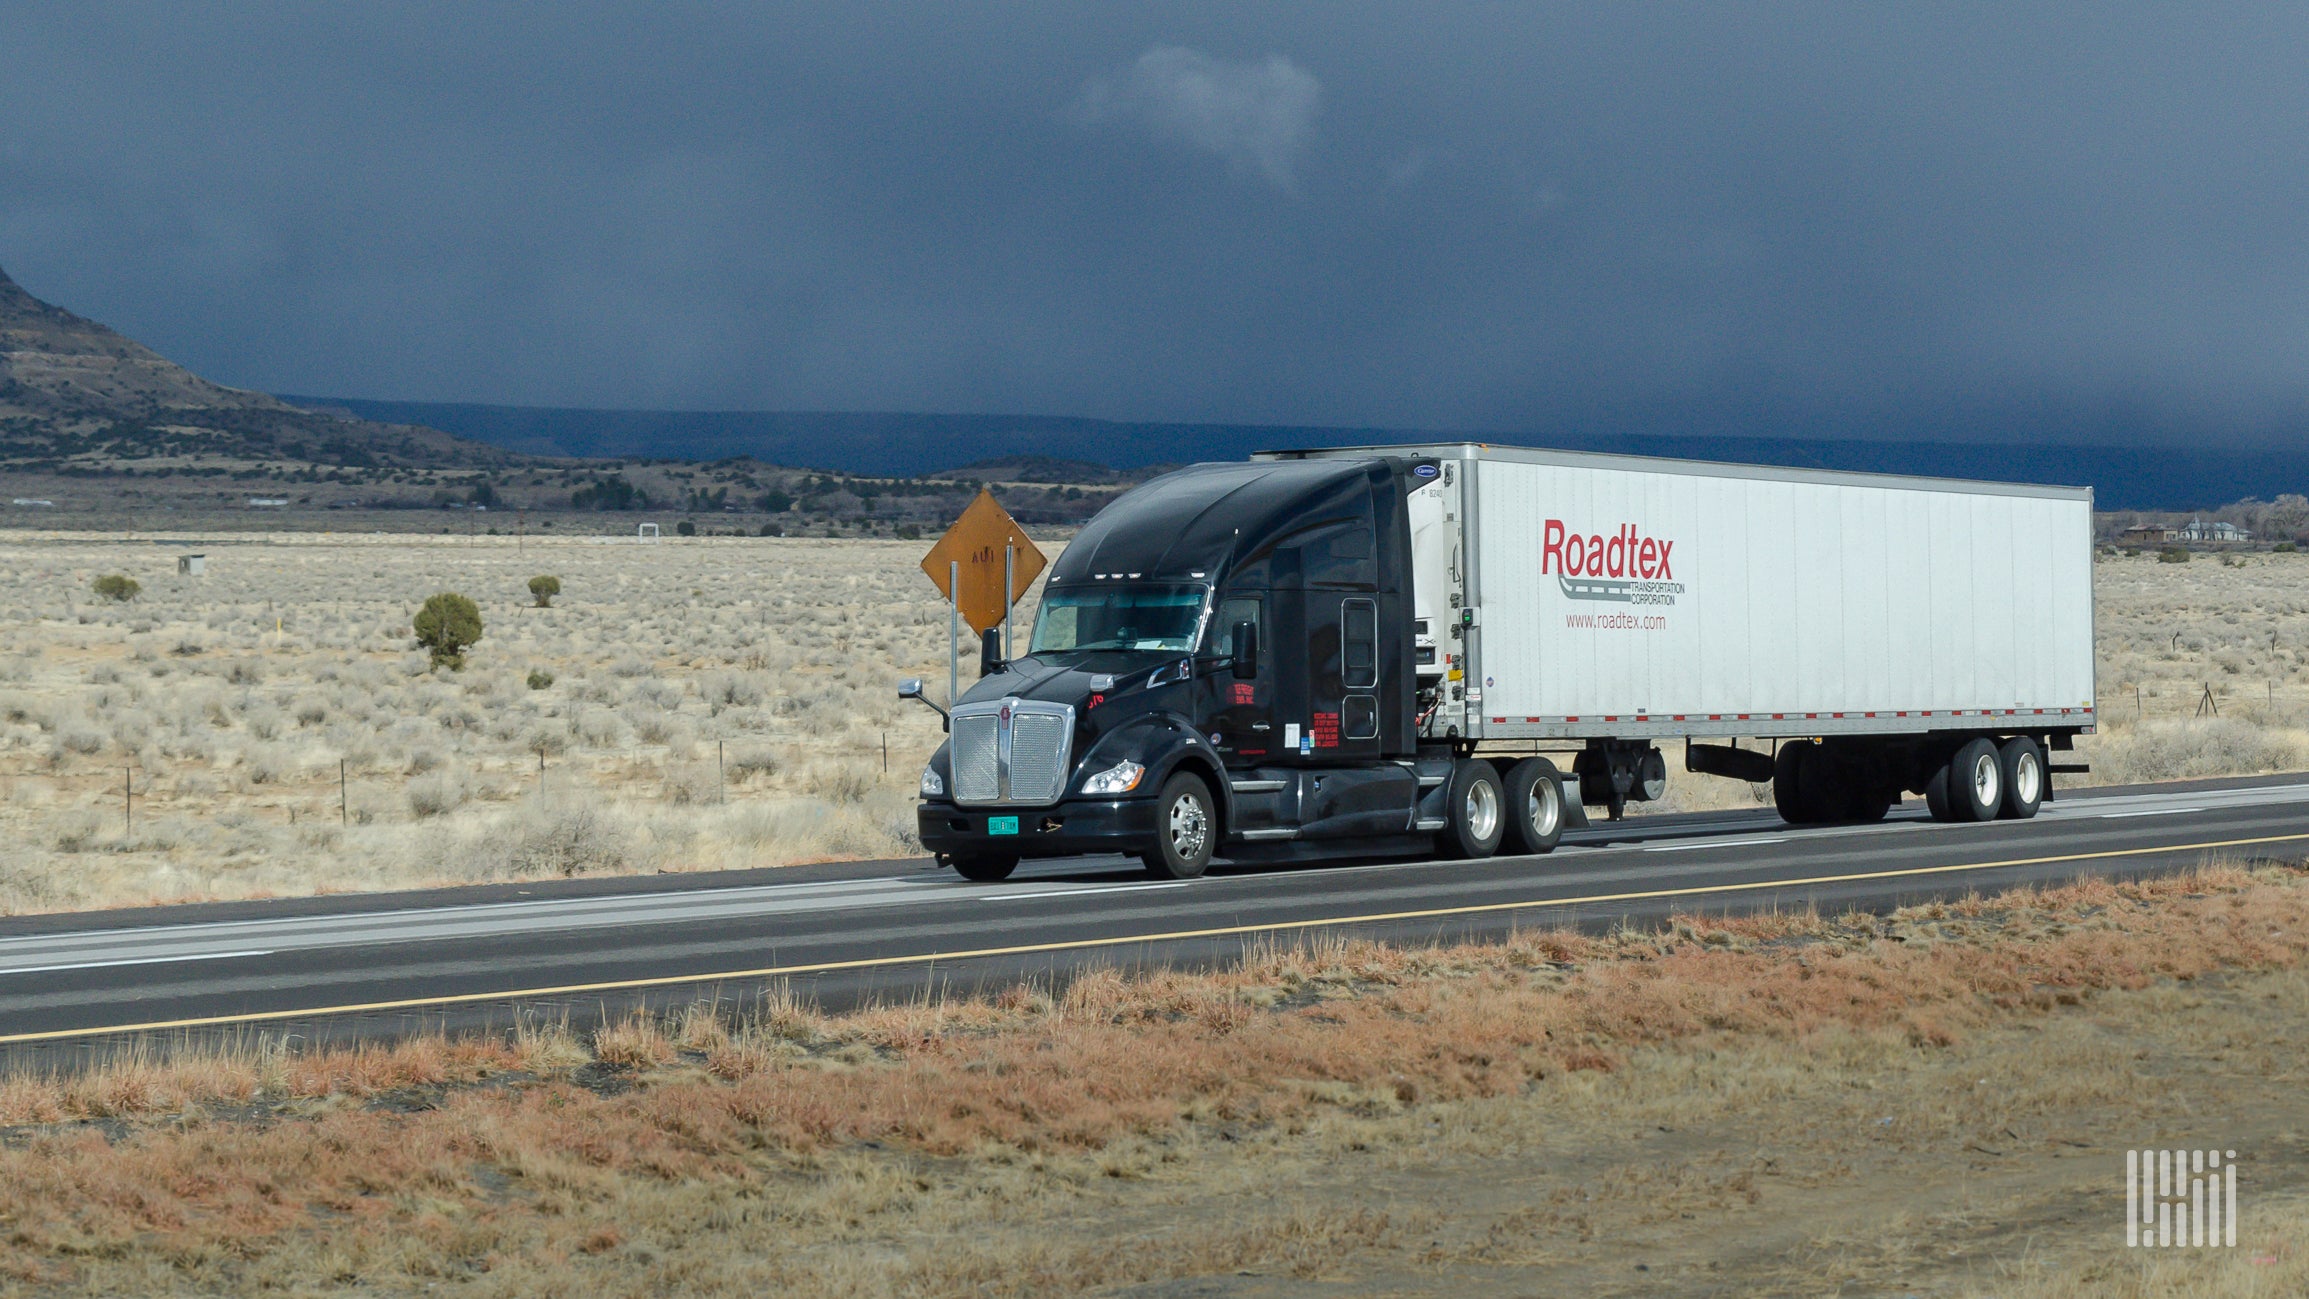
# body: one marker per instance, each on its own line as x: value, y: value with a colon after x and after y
x: 1260, y: 726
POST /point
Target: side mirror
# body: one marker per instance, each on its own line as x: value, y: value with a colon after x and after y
x: 1246, y: 650
x: 911, y: 688
x: 990, y: 652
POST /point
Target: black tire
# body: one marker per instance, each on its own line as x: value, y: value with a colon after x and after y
x: 1936, y: 794
x: 1476, y: 811
x: 984, y: 868
x: 1535, y: 811
x: 1975, y: 782
x: 1186, y: 829
x: 1791, y: 769
x: 2024, y: 778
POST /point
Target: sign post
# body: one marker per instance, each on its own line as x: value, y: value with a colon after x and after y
x: 979, y: 566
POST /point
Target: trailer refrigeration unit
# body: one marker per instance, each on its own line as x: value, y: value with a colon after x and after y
x: 1383, y: 650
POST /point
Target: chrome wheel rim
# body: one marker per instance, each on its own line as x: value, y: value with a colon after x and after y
x: 1985, y: 781
x: 1546, y: 808
x: 2027, y: 778
x: 1482, y: 810
x: 1190, y: 827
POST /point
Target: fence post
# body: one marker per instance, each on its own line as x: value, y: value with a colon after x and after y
x: 344, y: 814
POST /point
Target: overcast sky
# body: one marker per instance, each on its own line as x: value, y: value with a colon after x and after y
x: 1994, y: 220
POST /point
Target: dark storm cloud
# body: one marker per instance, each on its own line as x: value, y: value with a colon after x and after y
x: 1990, y: 220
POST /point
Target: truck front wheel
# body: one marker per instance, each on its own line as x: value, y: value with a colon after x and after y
x: 1185, y: 829
x: 1534, y: 806
x: 1476, y: 806
x: 984, y: 868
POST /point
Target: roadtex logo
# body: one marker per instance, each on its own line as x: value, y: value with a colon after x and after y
x: 1626, y: 567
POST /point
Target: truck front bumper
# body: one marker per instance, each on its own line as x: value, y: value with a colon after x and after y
x: 1068, y: 829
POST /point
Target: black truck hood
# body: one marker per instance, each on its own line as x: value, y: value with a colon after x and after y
x: 1031, y: 678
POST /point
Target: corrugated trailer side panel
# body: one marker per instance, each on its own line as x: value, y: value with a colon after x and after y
x: 1749, y: 604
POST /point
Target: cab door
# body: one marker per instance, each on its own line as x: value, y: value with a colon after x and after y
x: 1243, y: 720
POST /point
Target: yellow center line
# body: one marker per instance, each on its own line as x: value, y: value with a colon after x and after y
x: 1080, y: 944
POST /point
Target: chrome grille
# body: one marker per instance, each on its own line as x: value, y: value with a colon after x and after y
x: 975, y: 770
x: 1037, y: 757
x: 1012, y: 751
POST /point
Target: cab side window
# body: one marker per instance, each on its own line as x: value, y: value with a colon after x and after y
x: 1359, y: 627
x: 1232, y: 610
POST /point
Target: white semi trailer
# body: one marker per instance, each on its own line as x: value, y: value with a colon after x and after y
x: 1370, y: 649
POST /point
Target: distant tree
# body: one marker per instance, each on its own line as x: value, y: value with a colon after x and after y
x: 483, y: 495
x: 543, y: 589
x: 447, y: 626
x: 117, y: 586
x: 610, y: 493
x: 773, y: 530
x: 2172, y: 555
x: 774, y: 502
x: 685, y: 528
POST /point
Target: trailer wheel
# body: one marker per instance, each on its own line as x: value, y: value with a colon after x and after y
x: 2023, y: 770
x: 1534, y: 806
x: 1975, y: 782
x: 1936, y: 794
x: 1477, y: 809
x: 1793, y: 780
x: 1185, y: 829
x: 985, y: 868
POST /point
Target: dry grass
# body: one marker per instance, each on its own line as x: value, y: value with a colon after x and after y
x: 955, y: 1146
x: 715, y: 703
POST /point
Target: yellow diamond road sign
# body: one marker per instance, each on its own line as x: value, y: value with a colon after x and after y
x: 977, y: 542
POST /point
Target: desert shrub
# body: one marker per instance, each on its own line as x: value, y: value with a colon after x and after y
x: 2172, y: 555
x: 757, y: 760
x: 565, y: 838
x: 446, y: 627
x: 2285, y: 548
x: 685, y: 528
x: 843, y: 783
x: 117, y: 587
x: 539, y: 678
x: 436, y: 793
x: 543, y: 589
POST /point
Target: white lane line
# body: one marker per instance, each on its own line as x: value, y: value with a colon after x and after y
x: 1716, y: 843
x: 141, y: 960
x: 1069, y: 893
x: 2159, y: 811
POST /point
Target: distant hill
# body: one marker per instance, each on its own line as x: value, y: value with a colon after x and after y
x: 2123, y: 477
x: 76, y: 396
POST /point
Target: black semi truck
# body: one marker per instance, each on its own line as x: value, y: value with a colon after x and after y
x: 1376, y: 651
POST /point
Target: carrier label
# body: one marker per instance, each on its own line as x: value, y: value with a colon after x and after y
x: 1624, y: 567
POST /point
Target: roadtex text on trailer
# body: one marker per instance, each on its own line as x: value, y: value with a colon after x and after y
x: 1375, y: 649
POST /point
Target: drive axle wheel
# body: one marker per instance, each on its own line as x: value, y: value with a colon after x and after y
x: 1534, y: 806
x: 1476, y: 807
x: 1186, y: 830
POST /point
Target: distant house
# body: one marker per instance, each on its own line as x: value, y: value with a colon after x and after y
x: 267, y: 502
x: 191, y: 565
x: 2150, y: 534
x: 2219, y: 534
x: 35, y: 503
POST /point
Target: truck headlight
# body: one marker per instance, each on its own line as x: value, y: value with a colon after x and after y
x: 933, y: 786
x: 1121, y: 778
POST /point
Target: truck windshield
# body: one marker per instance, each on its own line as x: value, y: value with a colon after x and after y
x: 1154, y: 618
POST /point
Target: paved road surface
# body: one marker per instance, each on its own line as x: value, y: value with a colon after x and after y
x: 344, y: 967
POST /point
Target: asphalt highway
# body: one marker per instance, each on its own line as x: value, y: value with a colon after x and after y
x: 383, y: 965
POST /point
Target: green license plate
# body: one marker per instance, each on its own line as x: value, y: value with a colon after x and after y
x: 1002, y: 825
